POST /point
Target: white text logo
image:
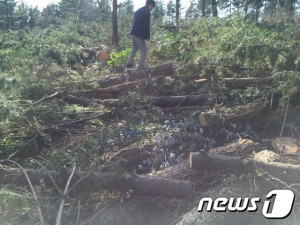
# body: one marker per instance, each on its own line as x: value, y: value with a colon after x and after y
x: 278, y: 204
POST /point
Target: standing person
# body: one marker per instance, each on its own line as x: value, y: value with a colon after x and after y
x: 140, y: 32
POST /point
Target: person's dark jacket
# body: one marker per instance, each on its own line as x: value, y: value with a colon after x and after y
x: 141, y: 23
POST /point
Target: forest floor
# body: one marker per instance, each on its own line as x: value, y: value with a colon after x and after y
x: 155, y: 120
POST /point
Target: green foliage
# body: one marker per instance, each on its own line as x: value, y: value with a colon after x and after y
x: 12, y: 205
x: 231, y: 47
x: 60, y: 157
x: 118, y: 58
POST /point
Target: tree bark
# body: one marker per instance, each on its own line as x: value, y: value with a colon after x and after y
x: 214, y: 6
x: 224, y: 157
x: 203, y: 7
x: 115, y: 35
x: 212, y: 161
x: 165, y: 69
x: 245, y: 82
x: 78, y: 100
x: 118, y: 88
x: 171, y: 103
x: 215, y: 162
x: 141, y: 185
x: 187, y: 100
x: 226, y: 114
x: 240, y: 83
x: 177, y: 12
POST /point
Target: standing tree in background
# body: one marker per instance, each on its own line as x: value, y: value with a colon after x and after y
x: 171, y: 12
x: 7, y: 8
x: 252, y: 9
x: 203, y: 6
x: 288, y: 6
x: 115, y: 34
x: 33, y: 17
x: 127, y: 7
x: 177, y: 12
x: 158, y: 12
x: 21, y: 16
x: 87, y: 10
x: 69, y: 8
x: 214, y: 8
x: 103, y: 10
x: 231, y: 6
x: 192, y: 12
x: 49, y: 15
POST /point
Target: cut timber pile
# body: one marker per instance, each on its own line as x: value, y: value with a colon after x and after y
x: 215, y: 160
x: 115, y: 89
x: 118, y: 83
x: 226, y: 114
x: 165, y: 69
x: 240, y: 83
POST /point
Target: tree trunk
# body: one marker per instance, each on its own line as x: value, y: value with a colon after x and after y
x: 177, y: 12
x: 115, y: 35
x: 11, y: 10
x: 214, y: 8
x: 165, y: 69
x: 170, y: 103
x: 246, y: 10
x: 118, y: 88
x: 213, y: 161
x: 240, y: 83
x: 178, y: 101
x: 7, y: 14
x: 142, y: 185
x: 245, y: 82
x: 203, y: 7
x: 210, y: 119
x: 77, y: 100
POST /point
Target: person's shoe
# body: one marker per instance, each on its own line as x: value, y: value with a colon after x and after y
x: 129, y: 65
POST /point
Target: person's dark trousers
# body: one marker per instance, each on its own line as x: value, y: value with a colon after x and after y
x: 138, y: 44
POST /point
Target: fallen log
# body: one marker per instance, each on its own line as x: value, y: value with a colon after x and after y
x: 141, y: 185
x: 169, y: 103
x: 241, y: 83
x: 226, y: 156
x: 165, y: 69
x: 179, y: 101
x: 186, y: 109
x: 156, y: 186
x: 243, y: 147
x: 210, y: 161
x: 118, y: 88
x: 78, y: 100
x: 220, y: 115
x: 158, y: 70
